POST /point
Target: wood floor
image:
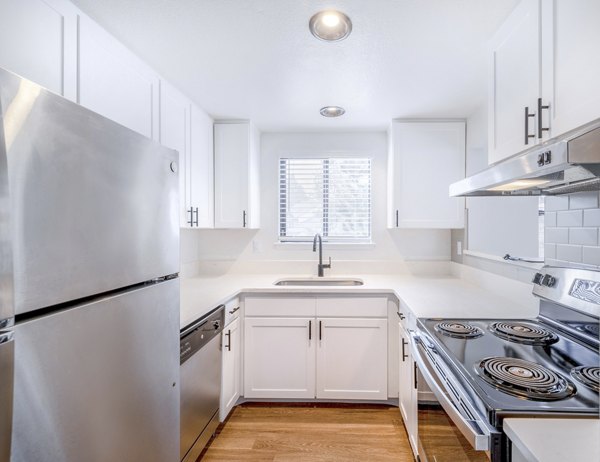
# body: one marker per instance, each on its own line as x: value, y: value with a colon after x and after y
x: 289, y: 433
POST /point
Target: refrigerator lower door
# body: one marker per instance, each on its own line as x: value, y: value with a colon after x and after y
x: 99, y: 382
x: 7, y: 347
x: 88, y: 197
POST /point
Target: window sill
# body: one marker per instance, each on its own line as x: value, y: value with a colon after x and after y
x: 496, y: 258
x: 326, y: 245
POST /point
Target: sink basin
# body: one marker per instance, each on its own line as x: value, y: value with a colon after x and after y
x: 319, y: 282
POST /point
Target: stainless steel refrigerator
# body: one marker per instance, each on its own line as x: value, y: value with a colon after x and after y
x: 89, y: 294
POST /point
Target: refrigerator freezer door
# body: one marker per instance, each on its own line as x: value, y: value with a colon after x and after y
x: 6, y: 263
x: 100, y: 382
x: 7, y: 346
x: 94, y: 205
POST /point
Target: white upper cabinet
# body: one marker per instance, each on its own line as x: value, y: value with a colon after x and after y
x: 114, y: 82
x: 188, y: 129
x: 514, y: 82
x: 37, y: 41
x: 424, y: 158
x: 570, y: 65
x: 175, y: 134
x: 544, y: 68
x: 236, y: 175
x: 199, y: 170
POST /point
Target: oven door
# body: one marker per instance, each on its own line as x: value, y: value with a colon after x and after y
x: 451, y: 429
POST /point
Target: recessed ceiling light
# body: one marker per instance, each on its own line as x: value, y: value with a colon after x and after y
x: 330, y: 25
x: 332, y: 111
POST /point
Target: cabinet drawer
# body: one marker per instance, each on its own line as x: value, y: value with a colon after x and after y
x: 371, y: 307
x: 232, y: 310
x: 280, y: 306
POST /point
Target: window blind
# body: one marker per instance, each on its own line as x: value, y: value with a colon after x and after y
x: 330, y: 196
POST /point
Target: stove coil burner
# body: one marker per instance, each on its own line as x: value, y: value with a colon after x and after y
x: 458, y: 329
x: 524, y: 379
x: 587, y: 375
x: 592, y: 329
x: 521, y: 332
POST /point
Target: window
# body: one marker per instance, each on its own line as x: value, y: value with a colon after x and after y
x: 329, y: 196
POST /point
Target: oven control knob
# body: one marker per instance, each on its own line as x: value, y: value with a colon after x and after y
x: 216, y: 325
x: 537, y: 278
x: 549, y: 281
x: 540, y: 160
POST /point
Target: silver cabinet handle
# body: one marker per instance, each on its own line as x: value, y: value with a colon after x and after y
x: 234, y: 310
x: 404, y: 345
x: 527, y: 116
x: 540, y: 125
x: 228, y: 335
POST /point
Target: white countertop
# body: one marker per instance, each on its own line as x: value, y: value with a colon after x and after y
x: 440, y: 296
x: 555, y: 440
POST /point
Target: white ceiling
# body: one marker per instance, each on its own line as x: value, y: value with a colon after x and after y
x: 256, y: 59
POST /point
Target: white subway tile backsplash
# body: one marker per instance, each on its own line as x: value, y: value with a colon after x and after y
x: 553, y: 203
x: 591, y: 255
x: 549, y: 250
x: 572, y: 230
x: 591, y: 217
x: 569, y: 218
x: 583, y: 200
x: 557, y: 235
x: 550, y: 219
x: 572, y: 253
x: 583, y: 236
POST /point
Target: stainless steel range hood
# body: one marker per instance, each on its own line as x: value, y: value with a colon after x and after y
x: 565, y: 164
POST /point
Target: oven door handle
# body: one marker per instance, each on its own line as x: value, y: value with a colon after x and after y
x: 476, y: 431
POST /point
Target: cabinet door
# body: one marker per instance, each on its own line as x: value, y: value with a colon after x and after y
x: 38, y: 40
x: 571, y: 64
x: 236, y: 173
x: 175, y: 134
x: 514, y: 67
x: 199, y: 172
x: 114, y: 82
x: 279, y: 358
x: 428, y: 157
x: 230, y: 380
x: 352, y: 358
x: 406, y: 387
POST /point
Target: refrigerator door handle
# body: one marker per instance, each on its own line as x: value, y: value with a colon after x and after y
x: 6, y: 337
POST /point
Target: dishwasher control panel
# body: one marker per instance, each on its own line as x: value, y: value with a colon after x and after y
x: 199, y: 333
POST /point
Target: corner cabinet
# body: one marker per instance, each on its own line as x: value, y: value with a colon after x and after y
x: 236, y: 175
x: 424, y: 158
x: 543, y: 74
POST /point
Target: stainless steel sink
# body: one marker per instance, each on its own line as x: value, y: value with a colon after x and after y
x: 319, y: 282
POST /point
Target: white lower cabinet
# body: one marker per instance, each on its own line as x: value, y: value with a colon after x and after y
x: 352, y: 358
x: 315, y: 356
x: 279, y: 358
x: 231, y: 370
x: 406, y: 388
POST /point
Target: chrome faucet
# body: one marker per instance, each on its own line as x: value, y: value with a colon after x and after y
x: 321, y: 265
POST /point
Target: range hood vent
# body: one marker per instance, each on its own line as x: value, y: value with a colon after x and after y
x: 565, y: 164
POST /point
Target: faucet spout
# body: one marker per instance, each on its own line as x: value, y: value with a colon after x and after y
x: 321, y: 266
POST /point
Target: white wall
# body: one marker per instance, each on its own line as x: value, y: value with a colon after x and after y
x: 262, y: 245
x: 497, y: 225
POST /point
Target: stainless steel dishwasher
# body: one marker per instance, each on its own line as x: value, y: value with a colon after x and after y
x: 200, y: 359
